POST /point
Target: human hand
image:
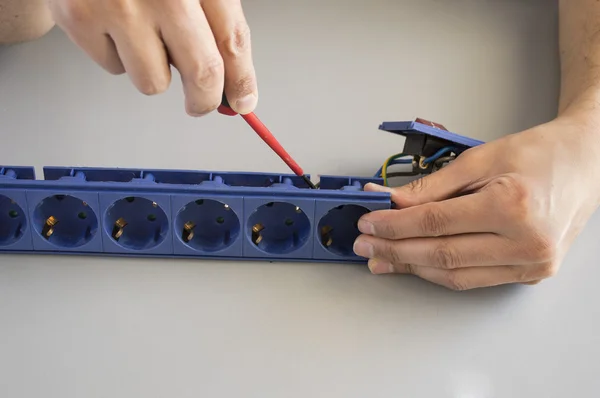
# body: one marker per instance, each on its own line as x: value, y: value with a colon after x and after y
x: 207, y: 41
x: 504, y: 212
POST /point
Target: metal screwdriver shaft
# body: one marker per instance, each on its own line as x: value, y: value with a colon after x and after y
x: 264, y: 133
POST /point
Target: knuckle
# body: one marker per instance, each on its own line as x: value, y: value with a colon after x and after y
x: 238, y: 42
x: 123, y: 10
x: 548, y: 270
x: 540, y: 248
x: 210, y: 74
x: 69, y: 12
x: 392, y: 254
x: 386, y: 230
x: 244, y: 86
x: 454, y: 281
x: 545, y: 249
x: 445, y: 257
x: 208, y: 79
x: 515, y: 195
x: 416, y: 186
x: 433, y: 222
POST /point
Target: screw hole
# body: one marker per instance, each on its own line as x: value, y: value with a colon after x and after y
x: 289, y: 222
x: 151, y: 217
x: 220, y: 220
x: 13, y: 214
x: 82, y: 215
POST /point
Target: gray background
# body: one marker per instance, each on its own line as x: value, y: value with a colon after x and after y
x: 329, y: 73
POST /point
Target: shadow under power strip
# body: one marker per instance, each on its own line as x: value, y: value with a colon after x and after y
x: 195, y: 214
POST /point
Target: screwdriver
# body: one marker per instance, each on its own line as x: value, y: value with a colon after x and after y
x: 264, y: 133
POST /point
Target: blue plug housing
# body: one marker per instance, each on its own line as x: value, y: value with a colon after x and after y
x: 180, y: 213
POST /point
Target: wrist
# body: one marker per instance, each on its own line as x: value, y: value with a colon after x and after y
x: 582, y: 109
x: 576, y: 135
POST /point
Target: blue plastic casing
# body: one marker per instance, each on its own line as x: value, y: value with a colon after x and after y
x: 127, y: 212
x: 412, y: 129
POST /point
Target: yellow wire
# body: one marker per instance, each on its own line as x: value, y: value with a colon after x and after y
x: 385, y: 166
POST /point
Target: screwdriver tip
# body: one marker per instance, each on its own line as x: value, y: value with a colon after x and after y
x: 309, y: 182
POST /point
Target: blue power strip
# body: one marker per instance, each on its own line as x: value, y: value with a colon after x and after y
x: 197, y: 214
x: 182, y: 214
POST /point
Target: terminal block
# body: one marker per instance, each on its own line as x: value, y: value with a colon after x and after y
x: 426, y: 140
x: 197, y: 214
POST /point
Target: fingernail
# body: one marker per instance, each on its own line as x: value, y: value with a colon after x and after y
x: 366, y: 227
x: 380, y: 267
x: 246, y: 104
x: 363, y: 249
x: 377, y: 188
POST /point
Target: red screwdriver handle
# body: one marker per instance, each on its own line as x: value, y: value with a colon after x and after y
x: 264, y: 133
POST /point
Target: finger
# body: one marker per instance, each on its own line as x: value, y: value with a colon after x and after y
x: 462, y: 279
x: 194, y: 53
x: 459, y: 251
x: 78, y: 24
x: 143, y: 55
x: 232, y: 36
x: 442, y: 184
x: 101, y: 49
x: 465, y: 214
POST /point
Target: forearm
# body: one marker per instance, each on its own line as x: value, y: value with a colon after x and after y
x: 579, y: 42
x: 23, y: 20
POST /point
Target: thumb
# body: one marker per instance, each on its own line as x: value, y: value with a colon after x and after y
x: 440, y: 185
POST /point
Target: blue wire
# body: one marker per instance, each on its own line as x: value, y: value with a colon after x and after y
x: 428, y: 160
x: 393, y: 162
x: 439, y: 154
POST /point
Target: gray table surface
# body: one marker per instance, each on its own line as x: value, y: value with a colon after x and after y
x: 94, y: 327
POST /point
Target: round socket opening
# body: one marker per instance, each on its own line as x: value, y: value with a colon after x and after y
x: 338, y: 229
x: 12, y: 221
x: 136, y: 223
x: 278, y: 228
x: 65, y: 221
x: 207, y: 225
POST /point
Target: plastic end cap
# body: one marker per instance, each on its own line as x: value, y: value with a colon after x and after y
x: 224, y: 110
